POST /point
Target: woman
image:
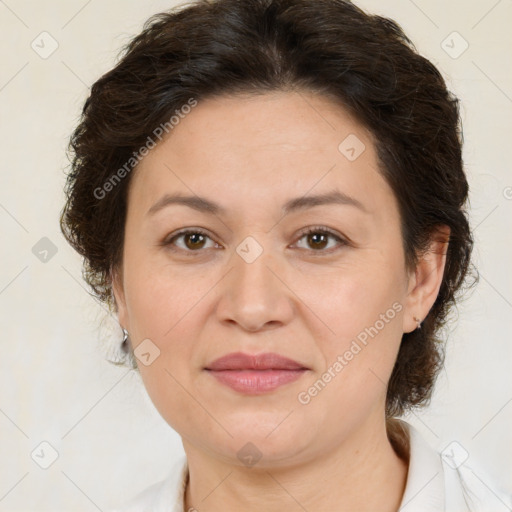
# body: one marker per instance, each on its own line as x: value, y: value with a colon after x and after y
x: 270, y: 195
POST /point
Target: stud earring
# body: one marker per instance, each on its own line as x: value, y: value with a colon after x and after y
x: 124, y: 341
x: 126, y: 349
x: 418, y: 321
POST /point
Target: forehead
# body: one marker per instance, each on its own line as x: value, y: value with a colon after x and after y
x: 264, y: 149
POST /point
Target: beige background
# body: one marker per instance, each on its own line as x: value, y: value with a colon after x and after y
x: 54, y: 383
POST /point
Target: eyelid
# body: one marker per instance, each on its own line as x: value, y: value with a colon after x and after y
x: 186, y: 231
x: 342, y: 240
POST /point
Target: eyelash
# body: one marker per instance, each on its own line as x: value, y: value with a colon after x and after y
x: 314, y: 229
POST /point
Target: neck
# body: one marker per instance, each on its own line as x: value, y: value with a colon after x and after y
x: 363, y: 473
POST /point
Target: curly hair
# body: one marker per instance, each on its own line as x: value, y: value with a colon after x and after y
x: 329, y: 47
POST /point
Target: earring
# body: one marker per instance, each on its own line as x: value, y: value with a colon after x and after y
x: 418, y: 321
x: 126, y: 348
x: 124, y: 342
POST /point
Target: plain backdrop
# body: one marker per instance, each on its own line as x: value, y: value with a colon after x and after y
x: 55, y: 386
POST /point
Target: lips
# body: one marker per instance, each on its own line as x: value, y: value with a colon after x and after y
x: 255, y: 374
x: 266, y: 361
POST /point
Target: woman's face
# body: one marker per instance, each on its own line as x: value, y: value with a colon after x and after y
x: 256, y: 283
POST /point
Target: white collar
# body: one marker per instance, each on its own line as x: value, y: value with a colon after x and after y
x: 424, y: 489
x: 433, y: 485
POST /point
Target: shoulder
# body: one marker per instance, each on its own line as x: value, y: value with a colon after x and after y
x: 471, y: 486
x: 160, y: 496
x: 445, y: 482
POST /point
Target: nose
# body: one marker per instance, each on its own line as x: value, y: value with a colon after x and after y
x: 254, y: 294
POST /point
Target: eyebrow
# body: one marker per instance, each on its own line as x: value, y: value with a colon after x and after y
x: 201, y: 204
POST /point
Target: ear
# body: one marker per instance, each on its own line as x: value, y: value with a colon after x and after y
x: 425, y: 281
x: 116, y: 279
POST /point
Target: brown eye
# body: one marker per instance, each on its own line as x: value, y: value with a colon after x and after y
x: 318, y: 239
x: 194, y: 240
x: 191, y: 240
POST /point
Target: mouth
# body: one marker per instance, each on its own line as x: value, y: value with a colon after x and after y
x: 255, y: 374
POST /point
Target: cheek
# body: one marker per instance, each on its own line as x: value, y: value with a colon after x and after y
x: 358, y: 359
x: 353, y: 299
x: 362, y: 305
x: 159, y: 296
x: 169, y: 308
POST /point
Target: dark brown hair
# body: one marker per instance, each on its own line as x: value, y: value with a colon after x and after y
x: 330, y: 47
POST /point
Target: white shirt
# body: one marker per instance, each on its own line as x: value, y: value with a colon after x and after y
x: 435, y: 483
